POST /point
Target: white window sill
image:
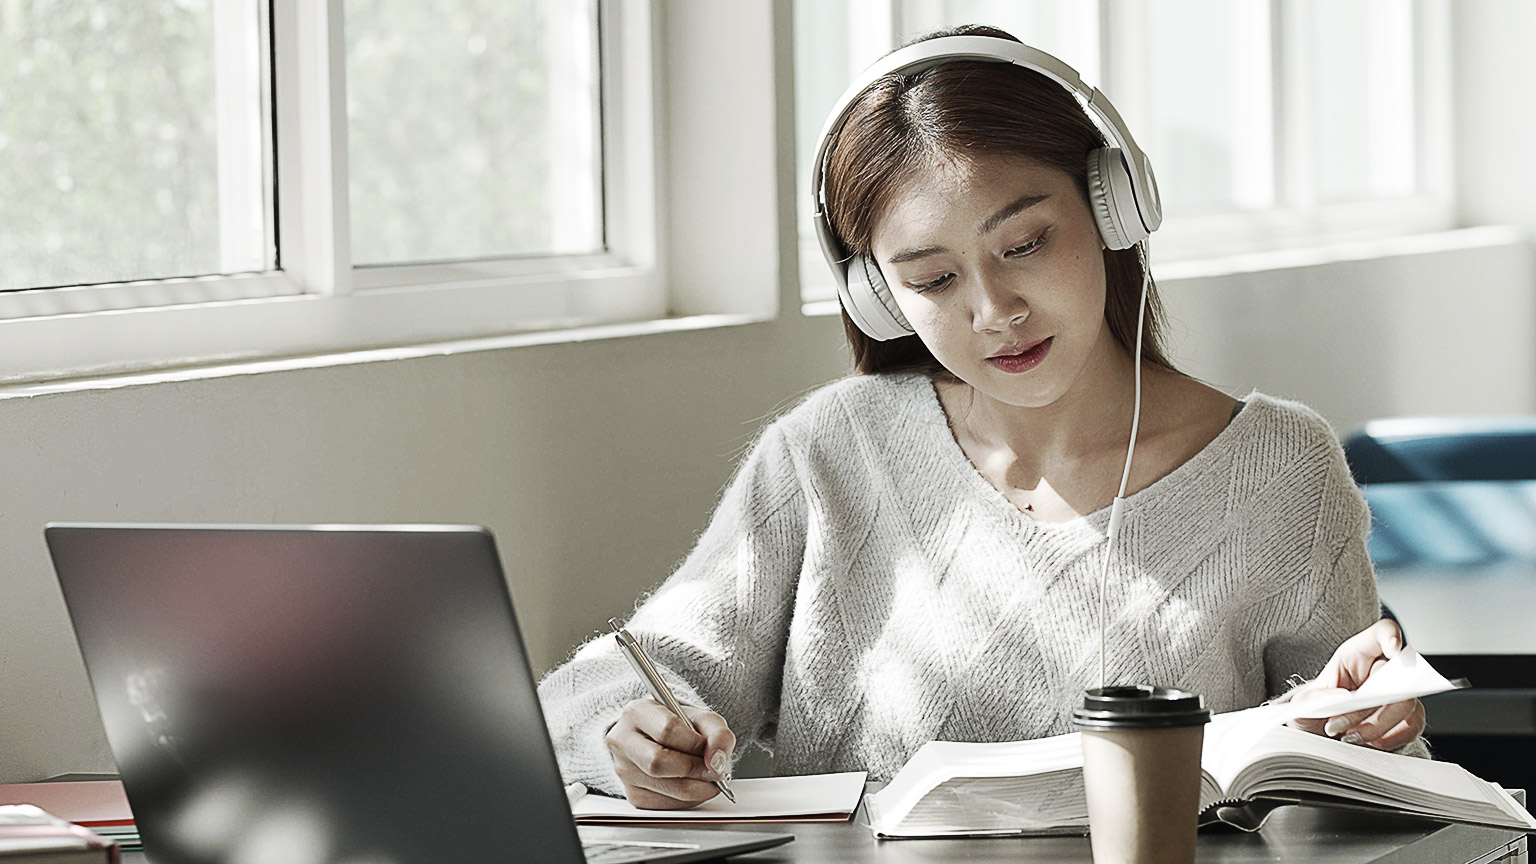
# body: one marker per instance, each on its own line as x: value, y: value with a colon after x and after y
x: 246, y: 366
x: 1394, y: 246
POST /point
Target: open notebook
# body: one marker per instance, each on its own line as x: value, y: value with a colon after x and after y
x: 809, y: 798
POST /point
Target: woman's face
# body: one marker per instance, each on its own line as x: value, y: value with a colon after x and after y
x: 996, y: 262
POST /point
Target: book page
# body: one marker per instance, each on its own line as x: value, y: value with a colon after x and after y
x: 788, y: 799
x: 965, y: 767
x: 1041, y: 802
x: 1290, y: 760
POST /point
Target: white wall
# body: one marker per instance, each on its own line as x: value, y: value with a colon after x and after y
x: 1437, y: 324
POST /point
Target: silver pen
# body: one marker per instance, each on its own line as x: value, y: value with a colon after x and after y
x: 659, y: 690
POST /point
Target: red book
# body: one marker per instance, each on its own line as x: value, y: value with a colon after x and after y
x: 92, y: 803
x: 30, y: 834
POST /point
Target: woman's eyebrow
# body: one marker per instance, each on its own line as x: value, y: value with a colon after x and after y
x: 1008, y: 211
x: 914, y: 254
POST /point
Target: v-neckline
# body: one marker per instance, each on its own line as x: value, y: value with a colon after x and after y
x: 1096, y: 522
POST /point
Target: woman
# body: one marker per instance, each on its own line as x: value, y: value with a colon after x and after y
x: 915, y: 552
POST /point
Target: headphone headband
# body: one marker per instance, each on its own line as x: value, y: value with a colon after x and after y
x: 1140, y: 215
x: 921, y: 56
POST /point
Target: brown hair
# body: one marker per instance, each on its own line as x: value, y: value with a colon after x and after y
x: 902, y: 124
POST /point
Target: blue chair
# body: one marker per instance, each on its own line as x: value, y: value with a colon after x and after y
x: 1430, y: 449
x: 1453, y: 507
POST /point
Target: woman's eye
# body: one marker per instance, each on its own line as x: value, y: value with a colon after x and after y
x: 932, y: 284
x: 1026, y: 249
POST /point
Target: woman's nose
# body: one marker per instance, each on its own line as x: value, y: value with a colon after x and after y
x: 997, y: 306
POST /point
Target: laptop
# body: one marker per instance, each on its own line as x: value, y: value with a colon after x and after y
x: 328, y: 694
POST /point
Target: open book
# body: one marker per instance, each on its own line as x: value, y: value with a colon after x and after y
x: 1251, y: 764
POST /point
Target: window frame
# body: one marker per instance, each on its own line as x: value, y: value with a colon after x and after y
x: 316, y: 302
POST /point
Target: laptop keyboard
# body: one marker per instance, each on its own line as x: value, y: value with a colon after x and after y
x: 613, y: 853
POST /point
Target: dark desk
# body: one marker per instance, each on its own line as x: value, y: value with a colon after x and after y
x: 1292, y: 834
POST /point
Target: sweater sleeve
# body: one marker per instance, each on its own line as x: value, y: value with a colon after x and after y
x: 1343, y: 595
x: 1335, y: 594
x: 716, y: 628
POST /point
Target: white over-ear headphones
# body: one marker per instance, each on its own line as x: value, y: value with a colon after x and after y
x: 1121, y: 188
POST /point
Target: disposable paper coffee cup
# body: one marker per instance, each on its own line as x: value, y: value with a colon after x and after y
x: 1141, y: 767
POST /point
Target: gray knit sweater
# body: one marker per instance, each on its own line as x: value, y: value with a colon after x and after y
x: 862, y: 589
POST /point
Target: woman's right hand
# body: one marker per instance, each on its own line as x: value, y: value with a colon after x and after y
x: 662, y: 764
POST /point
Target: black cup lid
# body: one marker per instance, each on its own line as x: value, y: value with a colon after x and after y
x: 1140, y: 706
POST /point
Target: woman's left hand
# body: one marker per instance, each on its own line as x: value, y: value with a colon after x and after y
x: 1386, y: 728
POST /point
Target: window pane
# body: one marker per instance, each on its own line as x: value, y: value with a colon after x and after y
x: 1205, y: 118
x: 1069, y: 31
x: 132, y: 141
x: 1360, y: 57
x: 473, y: 129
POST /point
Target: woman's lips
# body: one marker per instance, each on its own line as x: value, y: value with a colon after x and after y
x: 1023, y: 358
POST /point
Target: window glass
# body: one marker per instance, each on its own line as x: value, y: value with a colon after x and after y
x: 1203, y: 108
x: 133, y: 141
x: 1359, y: 57
x: 473, y: 129
x: 1069, y: 31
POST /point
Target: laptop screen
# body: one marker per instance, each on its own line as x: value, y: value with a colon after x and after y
x: 315, y: 694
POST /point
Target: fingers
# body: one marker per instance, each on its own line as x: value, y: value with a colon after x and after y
x: 1357, y: 658
x: 1410, y: 728
x: 1365, y: 652
x: 1338, y: 726
x: 661, y: 761
x: 650, y: 792
x: 1314, y: 691
x: 1386, y: 728
x: 719, y: 742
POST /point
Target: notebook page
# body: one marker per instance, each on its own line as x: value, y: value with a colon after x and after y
x: 757, y: 799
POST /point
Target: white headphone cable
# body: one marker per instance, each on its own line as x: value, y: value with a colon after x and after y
x: 1125, y: 476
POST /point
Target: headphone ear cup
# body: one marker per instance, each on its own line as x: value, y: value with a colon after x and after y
x: 1113, y: 199
x: 870, y: 304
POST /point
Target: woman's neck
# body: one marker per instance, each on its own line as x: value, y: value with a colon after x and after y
x: 1063, y: 460
x: 1093, y: 417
